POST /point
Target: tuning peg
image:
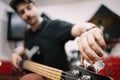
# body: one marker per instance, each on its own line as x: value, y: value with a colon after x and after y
x: 82, y: 65
x: 91, y: 68
x: 76, y: 73
x: 86, y: 77
x: 99, y: 65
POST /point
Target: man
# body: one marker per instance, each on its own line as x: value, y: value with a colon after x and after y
x: 50, y: 37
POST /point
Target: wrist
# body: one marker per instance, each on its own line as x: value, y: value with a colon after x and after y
x: 90, y: 28
x: 19, y: 50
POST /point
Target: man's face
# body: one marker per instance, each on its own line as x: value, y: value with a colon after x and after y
x: 28, y: 12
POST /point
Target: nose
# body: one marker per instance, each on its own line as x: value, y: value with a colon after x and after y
x: 27, y: 13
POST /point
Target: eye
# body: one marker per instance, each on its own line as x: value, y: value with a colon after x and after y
x: 21, y: 12
x: 29, y: 7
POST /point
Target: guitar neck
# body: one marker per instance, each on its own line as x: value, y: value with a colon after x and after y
x: 49, y: 72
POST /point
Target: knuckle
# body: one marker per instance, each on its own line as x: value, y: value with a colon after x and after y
x: 91, y: 57
x: 91, y: 44
x: 78, y: 40
x: 87, y: 50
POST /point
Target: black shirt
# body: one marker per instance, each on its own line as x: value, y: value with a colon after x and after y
x: 50, y: 37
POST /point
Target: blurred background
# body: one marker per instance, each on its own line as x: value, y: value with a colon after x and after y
x: 104, y: 13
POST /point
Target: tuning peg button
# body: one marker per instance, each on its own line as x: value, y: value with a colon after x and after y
x: 76, y: 73
x: 91, y: 68
x: 86, y: 77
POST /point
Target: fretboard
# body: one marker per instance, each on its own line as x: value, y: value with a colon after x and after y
x: 49, y: 72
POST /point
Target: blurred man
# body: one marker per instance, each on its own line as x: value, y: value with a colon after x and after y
x: 50, y: 36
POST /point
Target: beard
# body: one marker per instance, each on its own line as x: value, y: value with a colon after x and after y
x: 31, y: 20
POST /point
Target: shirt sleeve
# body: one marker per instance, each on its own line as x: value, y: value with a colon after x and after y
x: 62, y: 30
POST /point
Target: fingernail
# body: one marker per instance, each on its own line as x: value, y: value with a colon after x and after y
x: 101, y: 55
x: 96, y: 59
x: 100, y: 58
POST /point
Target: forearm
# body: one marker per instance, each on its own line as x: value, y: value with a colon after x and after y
x: 79, y: 29
x: 19, y: 50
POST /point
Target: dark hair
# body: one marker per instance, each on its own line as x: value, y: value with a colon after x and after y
x: 14, y: 3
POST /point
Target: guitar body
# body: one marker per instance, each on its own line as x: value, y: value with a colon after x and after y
x: 31, y: 76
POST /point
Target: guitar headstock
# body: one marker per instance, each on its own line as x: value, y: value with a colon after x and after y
x: 79, y: 73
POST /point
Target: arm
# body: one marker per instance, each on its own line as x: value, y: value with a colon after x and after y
x: 16, y: 58
x: 89, y: 42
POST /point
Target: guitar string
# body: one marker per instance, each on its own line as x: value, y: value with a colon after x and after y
x: 43, y: 66
x: 52, y: 73
x: 38, y: 67
x: 47, y: 67
x: 43, y: 73
x: 56, y: 74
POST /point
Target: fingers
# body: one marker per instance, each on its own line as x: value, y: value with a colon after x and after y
x: 89, y: 44
x: 83, y: 53
x: 100, y: 39
x: 16, y: 59
x: 94, y: 46
x: 82, y: 59
x: 19, y: 59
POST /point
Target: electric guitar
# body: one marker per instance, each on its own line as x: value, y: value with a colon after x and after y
x: 77, y: 73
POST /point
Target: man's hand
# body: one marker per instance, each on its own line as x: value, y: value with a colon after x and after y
x: 16, y: 56
x: 15, y: 60
x: 91, y: 44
